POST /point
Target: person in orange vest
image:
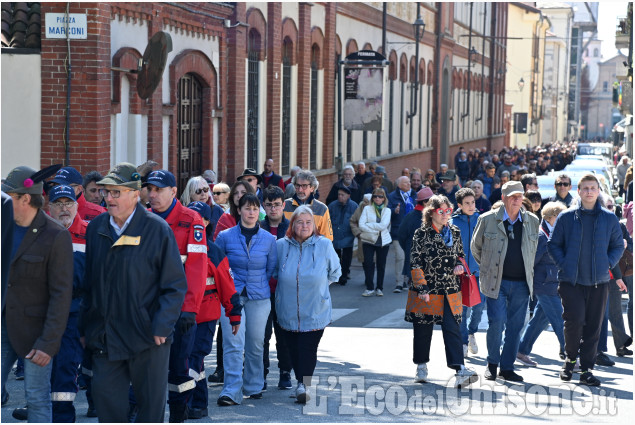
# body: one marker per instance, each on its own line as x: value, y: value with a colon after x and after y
x: 219, y: 290
x: 189, y: 230
x: 71, y: 177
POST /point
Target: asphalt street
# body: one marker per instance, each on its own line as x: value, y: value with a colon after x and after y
x: 365, y: 374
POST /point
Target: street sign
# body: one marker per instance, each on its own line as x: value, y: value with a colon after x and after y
x: 58, y: 23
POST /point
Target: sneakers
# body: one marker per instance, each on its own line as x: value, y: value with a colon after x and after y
x: 285, y: 380
x: 257, y: 396
x: 623, y: 351
x: 225, y: 401
x: 603, y: 360
x: 379, y: 293
x: 217, y: 377
x: 368, y: 293
x: 562, y: 355
x: 422, y: 373
x: 490, y: 372
x: 465, y: 377
x: 566, y: 373
x: 464, y: 350
x: 471, y: 344
x: 197, y: 413
x: 21, y: 413
x: 397, y: 289
x: 300, y: 393
x: 510, y: 375
x: 587, y: 378
x: 524, y: 359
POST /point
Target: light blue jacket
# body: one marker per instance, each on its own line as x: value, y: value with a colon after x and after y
x: 251, y: 266
x: 303, y: 300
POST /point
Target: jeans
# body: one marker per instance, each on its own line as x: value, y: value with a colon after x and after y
x: 548, y: 311
x: 369, y: 264
x: 451, y: 339
x: 37, y: 381
x: 628, y: 280
x: 303, y: 348
x: 473, y: 316
x: 506, y: 313
x: 399, y: 260
x: 613, y: 314
x: 249, y: 340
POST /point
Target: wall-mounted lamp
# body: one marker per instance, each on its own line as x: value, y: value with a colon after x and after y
x: 521, y: 84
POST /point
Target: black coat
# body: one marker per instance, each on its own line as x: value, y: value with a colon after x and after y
x: 135, y: 285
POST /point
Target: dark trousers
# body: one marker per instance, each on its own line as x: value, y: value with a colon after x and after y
x: 203, y: 341
x: 180, y: 383
x: 219, y: 347
x: 303, y: 348
x: 282, y: 351
x: 64, y: 373
x: 584, y: 308
x: 451, y: 339
x: 346, y: 257
x: 369, y: 264
x: 614, y: 315
x: 87, y: 375
x: 148, y: 372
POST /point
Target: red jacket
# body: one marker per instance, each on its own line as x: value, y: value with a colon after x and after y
x: 78, y: 233
x: 87, y: 210
x: 219, y: 290
x: 189, y: 231
x: 226, y: 221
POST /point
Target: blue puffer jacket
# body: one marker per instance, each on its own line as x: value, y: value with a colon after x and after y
x: 340, y: 216
x: 545, y: 269
x: 565, y: 244
x: 303, y: 300
x: 466, y: 224
x: 252, y: 266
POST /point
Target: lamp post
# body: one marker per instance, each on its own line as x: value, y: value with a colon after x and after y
x: 419, y: 28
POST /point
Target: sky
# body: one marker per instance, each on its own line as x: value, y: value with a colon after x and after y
x: 608, y: 13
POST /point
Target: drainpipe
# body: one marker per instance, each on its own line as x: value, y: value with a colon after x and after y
x: 67, y: 141
x: 483, y: 62
x: 469, y: 65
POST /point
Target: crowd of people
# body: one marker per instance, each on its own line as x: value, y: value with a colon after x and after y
x: 117, y: 283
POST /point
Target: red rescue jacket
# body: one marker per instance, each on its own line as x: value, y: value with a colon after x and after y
x: 219, y: 290
x: 87, y: 210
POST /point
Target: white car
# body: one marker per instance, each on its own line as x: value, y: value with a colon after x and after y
x: 591, y: 166
x: 547, y: 189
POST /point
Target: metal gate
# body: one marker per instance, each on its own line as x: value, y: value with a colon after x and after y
x: 190, y: 137
x: 253, y: 110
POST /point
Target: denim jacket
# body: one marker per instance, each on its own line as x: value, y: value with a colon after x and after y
x: 303, y: 300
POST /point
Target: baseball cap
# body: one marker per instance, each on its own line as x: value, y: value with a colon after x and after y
x: 68, y: 176
x: 202, y: 208
x: 122, y: 174
x: 161, y: 178
x: 512, y: 187
x: 424, y: 194
x: 61, y: 191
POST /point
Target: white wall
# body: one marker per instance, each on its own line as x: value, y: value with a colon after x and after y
x: 21, y: 111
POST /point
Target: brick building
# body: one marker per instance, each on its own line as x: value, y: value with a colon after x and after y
x: 248, y: 81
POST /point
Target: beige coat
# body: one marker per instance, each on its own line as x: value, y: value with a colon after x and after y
x: 489, y: 247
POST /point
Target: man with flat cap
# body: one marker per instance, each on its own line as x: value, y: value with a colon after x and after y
x: 189, y: 230
x: 70, y: 177
x: 39, y: 291
x: 135, y: 286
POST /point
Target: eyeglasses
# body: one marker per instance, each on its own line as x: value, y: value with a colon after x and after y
x: 510, y: 229
x: 201, y: 189
x: 218, y: 193
x: 302, y: 186
x: 275, y: 206
x: 115, y: 193
x: 378, y: 196
x: 441, y: 211
x: 68, y: 205
x: 563, y: 184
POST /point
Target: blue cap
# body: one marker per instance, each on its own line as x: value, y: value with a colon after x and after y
x: 202, y: 208
x: 68, y: 176
x: 160, y: 178
x: 61, y: 191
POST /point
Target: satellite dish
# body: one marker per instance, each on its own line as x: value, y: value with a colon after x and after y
x: 154, y: 60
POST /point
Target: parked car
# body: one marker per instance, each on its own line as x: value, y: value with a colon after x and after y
x: 547, y: 189
x: 591, y: 166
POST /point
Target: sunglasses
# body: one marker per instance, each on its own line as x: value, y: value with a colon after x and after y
x: 563, y: 184
x: 441, y: 211
x: 378, y: 196
x: 510, y: 229
x: 201, y: 190
x: 218, y: 193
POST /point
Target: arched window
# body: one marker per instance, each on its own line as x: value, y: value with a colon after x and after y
x: 253, y: 78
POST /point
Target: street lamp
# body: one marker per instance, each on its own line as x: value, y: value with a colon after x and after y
x: 419, y: 28
x: 521, y: 84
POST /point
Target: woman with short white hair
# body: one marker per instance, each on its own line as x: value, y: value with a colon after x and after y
x: 196, y: 189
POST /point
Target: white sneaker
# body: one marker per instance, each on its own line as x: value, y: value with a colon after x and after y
x: 368, y: 293
x: 526, y: 360
x: 471, y: 344
x: 464, y: 350
x: 300, y: 393
x: 422, y: 373
x: 465, y: 377
x: 379, y: 293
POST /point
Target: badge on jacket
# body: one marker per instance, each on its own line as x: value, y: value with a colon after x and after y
x: 198, y: 232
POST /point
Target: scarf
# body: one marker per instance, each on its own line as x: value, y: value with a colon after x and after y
x: 378, y: 209
x: 408, y: 201
x: 446, y: 235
